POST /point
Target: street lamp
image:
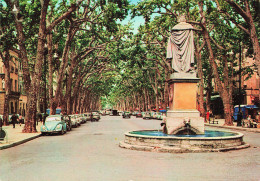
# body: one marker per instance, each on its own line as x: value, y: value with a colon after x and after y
x: 15, y: 10
x: 18, y: 16
x: 55, y: 55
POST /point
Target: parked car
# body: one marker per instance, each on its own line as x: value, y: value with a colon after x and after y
x: 143, y: 113
x: 77, y: 117
x: 54, y: 124
x: 88, y: 116
x: 82, y: 118
x: 96, y: 116
x: 126, y: 115
x: 74, y: 122
x: 138, y: 114
x: 134, y: 113
x: 159, y: 116
x: 67, y: 119
x: 147, y: 115
x: 114, y: 113
x: 154, y: 116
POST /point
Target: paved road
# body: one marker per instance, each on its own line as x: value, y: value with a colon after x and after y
x: 91, y: 153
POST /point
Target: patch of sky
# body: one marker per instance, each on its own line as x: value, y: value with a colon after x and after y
x: 2, y: 3
x: 137, y: 21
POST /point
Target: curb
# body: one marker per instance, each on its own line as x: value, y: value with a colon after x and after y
x: 167, y: 149
x: 19, y: 142
x: 236, y: 128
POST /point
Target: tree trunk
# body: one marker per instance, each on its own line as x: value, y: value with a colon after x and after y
x: 222, y: 90
x: 209, y: 90
x: 7, y: 88
x: 201, y: 83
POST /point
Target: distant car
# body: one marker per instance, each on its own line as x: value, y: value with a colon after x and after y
x: 138, y: 114
x: 134, y: 113
x: 147, y: 115
x: 159, y: 116
x: 154, y: 116
x: 74, y: 122
x: 95, y: 116
x: 77, y: 117
x: 54, y: 124
x: 143, y: 113
x: 126, y: 115
x: 88, y: 116
x: 83, y: 118
x: 114, y: 113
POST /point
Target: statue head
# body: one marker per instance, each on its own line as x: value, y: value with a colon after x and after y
x: 181, y: 18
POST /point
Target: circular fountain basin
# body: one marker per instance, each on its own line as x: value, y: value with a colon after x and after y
x: 211, y: 141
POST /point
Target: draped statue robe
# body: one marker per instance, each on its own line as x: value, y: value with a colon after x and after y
x: 181, y: 47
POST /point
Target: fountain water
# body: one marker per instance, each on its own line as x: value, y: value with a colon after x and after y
x: 211, y: 141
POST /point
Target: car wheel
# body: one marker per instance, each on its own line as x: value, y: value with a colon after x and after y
x: 62, y: 131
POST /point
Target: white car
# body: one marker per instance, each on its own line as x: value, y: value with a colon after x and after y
x: 74, y: 121
x: 96, y: 116
x: 88, y: 116
x: 82, y: 118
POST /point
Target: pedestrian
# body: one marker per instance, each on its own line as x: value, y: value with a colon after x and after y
x: 207, y: 116
x: 91, y: 117
x: 257, y: 117
x: 14, y: 119
x: 20, y: 119
x: 1, y: 122
x: 211, y: 116
x: 239, y: 118
x: 40, y: 117
x: 44, y: 118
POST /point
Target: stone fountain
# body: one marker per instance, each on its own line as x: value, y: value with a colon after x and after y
x: 183, y: 128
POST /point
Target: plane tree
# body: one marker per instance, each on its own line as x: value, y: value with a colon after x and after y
x: 41, y: 20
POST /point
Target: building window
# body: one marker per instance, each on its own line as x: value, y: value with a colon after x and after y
x: 12, y: 107
x: 15, y: 107
x: 11, y: 80
x: 15, y: 86
x: 3, y: 84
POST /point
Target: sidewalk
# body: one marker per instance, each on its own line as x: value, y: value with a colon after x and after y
x: 15, y: 136
x: 235, y: 127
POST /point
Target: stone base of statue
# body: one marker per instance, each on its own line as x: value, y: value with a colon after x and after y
x: 183, y: 116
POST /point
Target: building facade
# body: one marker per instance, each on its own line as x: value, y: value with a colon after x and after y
x: 18, y: 99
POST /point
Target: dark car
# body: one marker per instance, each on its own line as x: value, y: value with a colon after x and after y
x: 114, y: 113
x: 67, y: 119
x: 126, y: 115
x: 138, y: 114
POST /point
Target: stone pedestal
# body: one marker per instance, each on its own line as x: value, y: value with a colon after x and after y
x: 183, y: 105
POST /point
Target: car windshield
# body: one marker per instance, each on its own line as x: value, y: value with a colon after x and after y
x: 53, y: 119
